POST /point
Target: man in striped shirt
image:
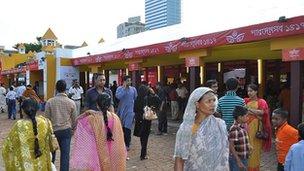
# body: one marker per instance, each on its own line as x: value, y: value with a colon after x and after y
x: 229, y: 101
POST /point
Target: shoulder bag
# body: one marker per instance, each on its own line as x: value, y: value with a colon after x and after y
x: 149, y: 113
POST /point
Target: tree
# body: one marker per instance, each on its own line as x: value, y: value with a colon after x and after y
x: 34, y: 47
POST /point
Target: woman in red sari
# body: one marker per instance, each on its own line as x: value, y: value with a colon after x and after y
x: 258, y: 119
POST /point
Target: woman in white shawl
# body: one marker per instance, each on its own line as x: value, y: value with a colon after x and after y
x: 2, y: 98
x: 201, y: 141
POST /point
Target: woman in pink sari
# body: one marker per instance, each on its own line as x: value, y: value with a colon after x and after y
x: 99, y: 142
x: 258, y: 119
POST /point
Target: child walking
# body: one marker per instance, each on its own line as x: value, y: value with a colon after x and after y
x: 239, y: 140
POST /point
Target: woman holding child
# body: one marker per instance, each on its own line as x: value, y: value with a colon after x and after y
x: 258, y: 119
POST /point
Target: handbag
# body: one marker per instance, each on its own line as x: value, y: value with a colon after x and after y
x: 54, y: 145
x: 261, y: 134
x: 149, y: 113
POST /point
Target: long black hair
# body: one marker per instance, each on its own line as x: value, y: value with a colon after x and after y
x: 104, y: 103
x: 30, y: 108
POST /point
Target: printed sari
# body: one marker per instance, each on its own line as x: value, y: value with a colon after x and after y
x: 204, y: 147
x: 91, y: 149
x: 18, y: 147
x: 253, y: 124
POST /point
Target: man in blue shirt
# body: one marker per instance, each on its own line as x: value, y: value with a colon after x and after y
x: 229, y: 101
x: 295, y: 158
x: 126, y: 95
x: 92, y: 93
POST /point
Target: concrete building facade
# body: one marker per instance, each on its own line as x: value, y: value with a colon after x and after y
x: 133, y: 26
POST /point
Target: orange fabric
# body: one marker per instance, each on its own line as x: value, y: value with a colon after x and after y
x: 286, y: 136
x: 118, y: 154
x: 253, y: 105
x: 30, y: 93
x: 254, y: 169
x: 255, y: 156
x: 262, y: 105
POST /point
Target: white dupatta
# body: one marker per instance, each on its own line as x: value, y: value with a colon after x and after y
x: 210, y: 128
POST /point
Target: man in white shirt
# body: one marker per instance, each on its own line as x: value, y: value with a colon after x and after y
x: 75, y: 93
x: 182, y: 94
x: 19, y: 92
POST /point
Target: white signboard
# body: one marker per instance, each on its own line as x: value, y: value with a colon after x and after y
x: 237, y: 73
x: 69, y: 73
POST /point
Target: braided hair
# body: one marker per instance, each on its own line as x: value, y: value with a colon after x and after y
x: 30, y: 108
x: 104, y: 103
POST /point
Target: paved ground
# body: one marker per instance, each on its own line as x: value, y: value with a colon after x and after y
x: 160, y: 150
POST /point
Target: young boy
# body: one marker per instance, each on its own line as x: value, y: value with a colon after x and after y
x: 295, y: 158
x: 238, y: 140
x: 286, y: 135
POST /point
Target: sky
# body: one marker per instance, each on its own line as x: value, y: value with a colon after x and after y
x: 74, y: 22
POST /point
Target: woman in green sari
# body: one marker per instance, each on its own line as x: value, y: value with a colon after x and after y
x: 27, y: 146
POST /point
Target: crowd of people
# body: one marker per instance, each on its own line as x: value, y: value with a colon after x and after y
x: 226, y: 133
x: 241, y: 129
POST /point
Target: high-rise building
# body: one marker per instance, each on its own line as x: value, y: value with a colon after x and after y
x: 162, y: 13
x: 133, y: 26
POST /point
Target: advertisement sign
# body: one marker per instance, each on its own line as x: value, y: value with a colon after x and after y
x: 69, y: 73
x: 192, y: 61
x: 33, y: 65
x: 296, y: 54
x: 134, y: 67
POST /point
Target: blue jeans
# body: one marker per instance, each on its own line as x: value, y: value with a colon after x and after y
x: 64, y: 141
x: 11, y: 105
x: 233, y: 164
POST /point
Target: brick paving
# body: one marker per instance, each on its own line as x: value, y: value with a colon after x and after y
x: 160, y: 150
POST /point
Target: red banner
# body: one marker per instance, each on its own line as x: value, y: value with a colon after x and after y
x: 192, y: 61
x: 134, y: 67
x: 14, y: 71
x: 258, y: 32
x: 33, y: 65
x: 293, y: 54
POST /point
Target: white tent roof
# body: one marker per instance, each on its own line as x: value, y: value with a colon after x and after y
x: 204, y: 25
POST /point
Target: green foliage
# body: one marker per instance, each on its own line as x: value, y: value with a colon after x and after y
x: 34, y: 47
